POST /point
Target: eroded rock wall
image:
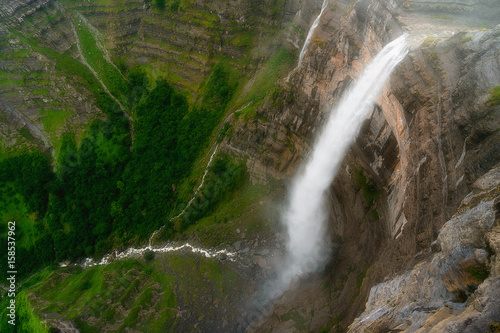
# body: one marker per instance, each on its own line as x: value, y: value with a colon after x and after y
x: 431, y: 135
x: 454, y: 290
x: 181, y: 44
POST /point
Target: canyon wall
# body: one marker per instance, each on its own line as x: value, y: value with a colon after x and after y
x: 397, y: 205
x: 432, y: 134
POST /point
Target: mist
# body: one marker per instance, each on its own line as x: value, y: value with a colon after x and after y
x: 304, y: 216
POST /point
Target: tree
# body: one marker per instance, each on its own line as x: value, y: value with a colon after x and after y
x: 160, y: 4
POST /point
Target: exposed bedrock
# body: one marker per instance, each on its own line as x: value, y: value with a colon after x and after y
x: 414, y: 206
x: 431, y: 135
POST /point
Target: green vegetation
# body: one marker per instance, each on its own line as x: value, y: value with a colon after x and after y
x: 174, y: 6
x: 274, y: 68
x: 103, y: 191
x: 106, y: 71
x: 293, y: 314
x: 495, y: 327
x: 156, y: 163
x: 168, y: 139
x: 223, y: 178
x: 100, y: 187
x: 361, y: 277
x: 466, y: 39
x: 495, y: 96
x: 224, y: 131
x: 430, y: 41
x: 149, y: 255
x: 236, y: 212
x: 276, y: 7
x: 479, y: 272
x: 24, y: 181
x: 79, y: 213
x: 159, y: 4
x: 368, y: 188
x: 52, y: 119
x: 27, y: 134
x: 243, y: 39
x: 74, y: 294
x: 334, y: 325
x: 26, y: 319
x: 82, y: 75
x: 126, y: 293
x: 319, y: 42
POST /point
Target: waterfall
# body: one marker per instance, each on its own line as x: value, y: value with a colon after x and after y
x: 310, y: 34
x: 304, y: 216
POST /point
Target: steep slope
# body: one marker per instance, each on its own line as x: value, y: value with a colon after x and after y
x: 396, y: 207
x: 455, y: 289
x: 93, y: 104
x: 431, y: 135
x: 180, y: 42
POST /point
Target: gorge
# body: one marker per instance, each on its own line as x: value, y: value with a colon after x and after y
x: 304, y: 215
x: 190, y: 126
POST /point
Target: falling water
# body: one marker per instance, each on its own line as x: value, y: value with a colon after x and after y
x: 310, y: 34
x: 305, y: 215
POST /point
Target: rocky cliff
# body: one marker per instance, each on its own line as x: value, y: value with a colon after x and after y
x: 431, y: 135
x: 413, y: 210
x: 42, y: 81
x: 455, y: 289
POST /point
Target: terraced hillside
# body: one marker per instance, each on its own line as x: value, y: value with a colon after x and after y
x: 146, y: 147
x: 110, y: 115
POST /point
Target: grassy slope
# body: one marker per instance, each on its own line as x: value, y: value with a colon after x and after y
x: 244, y: 210
x: 42, y: 81
x: 75, y: 294
x: 109, y: 75
x: 53, y: 119
x: 135, y: 294
x: 27, y: 321
x: 263, y: 82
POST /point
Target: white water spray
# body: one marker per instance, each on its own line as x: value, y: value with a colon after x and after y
x: 310, y: 34
x: 305, y: 215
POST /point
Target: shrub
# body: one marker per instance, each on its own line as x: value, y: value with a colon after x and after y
x: 149, y: 255
x: 495, y: 327
x: 160, y: 4
x: 495, y: 96
x: 368, y: 187
x: 223, y: 132
x: 479, y: 272
x: 224, y: 176
x: 174, y: 6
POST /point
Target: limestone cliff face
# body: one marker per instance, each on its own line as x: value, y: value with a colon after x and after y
x: 431, y: 135
x: 430, y: 138
x: 33, y: 86
x: 182, y: 44
x: 186, y: 42
x: 446, y: 292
